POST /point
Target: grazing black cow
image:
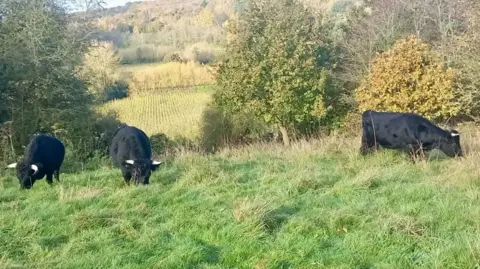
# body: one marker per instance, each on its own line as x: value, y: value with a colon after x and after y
x: 43, y: 156
x: 131, y: 151
x: 406, y: 131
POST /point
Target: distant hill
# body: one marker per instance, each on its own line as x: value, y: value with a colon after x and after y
x: 168, y: 30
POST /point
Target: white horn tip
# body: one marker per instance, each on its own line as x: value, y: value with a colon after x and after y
x: 13, y: 165
x: 130, y: 161
x: 156, y: 163
x: 34, y: 168
x: 454, y: 134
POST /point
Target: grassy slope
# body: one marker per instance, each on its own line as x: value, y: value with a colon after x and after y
x: 314, y: 206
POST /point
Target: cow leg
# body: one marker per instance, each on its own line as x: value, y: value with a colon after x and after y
x: 50, y: 178
x: 364, y: 148
x: 57, y: 175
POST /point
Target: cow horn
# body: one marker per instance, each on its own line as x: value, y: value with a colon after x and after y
x: 130, y: 161
x: 454, y: 134
x: 34, y: 168
x: 156, y: 163
x: 13, y: 165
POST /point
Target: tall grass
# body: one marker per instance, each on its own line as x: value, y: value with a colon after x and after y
x: 317, y: 204
x: 174, y: 112
x: 145, y: 79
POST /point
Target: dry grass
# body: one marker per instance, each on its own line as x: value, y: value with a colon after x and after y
x: 146, y: 79
x: 174, y: 112
x: 84, y: 193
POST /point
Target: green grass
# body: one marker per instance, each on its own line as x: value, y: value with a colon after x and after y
x: 314, y: 206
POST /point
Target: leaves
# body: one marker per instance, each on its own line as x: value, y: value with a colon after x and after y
x: 410, y: 78
x: 273, y: 68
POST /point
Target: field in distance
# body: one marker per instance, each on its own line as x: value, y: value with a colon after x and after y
x: 316, y: 205
x: 172, y: 112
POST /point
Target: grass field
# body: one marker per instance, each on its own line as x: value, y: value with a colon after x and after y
x: 315, y: 205
x: 173, y: 112
x: 144, y: 78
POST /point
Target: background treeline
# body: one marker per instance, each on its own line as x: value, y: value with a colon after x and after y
x: 268, y: 70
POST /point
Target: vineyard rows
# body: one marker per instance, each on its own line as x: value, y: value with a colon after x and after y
x: 170, y: 112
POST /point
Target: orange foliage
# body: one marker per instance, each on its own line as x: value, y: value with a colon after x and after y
x: 410, y: 78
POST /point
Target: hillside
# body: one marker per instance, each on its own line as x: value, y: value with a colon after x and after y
x: 317, y: 205
x: 166, y: 30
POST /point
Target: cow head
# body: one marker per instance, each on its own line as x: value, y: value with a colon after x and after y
x: 452, y: 146
x: 141, y: 169
x: 26, y: 173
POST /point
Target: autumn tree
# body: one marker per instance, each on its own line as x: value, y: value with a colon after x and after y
x: 99, y: 69
x: 409, y: 78
x: 278, y: 66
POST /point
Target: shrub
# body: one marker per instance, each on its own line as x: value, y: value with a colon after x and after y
x: 409, y: 78
x: 214, y: 129
x: 199, y: 52
x: 219, y: 129
x: 117, y: 90
x: 161, y: 144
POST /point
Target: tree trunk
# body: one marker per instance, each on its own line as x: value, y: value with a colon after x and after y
x: 286, y: 139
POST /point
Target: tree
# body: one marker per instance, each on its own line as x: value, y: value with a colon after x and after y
x: 41, y: 49
x: 376, y: 25
x: 278, y: 66
x: 410, y: 78
x: 99, y: 69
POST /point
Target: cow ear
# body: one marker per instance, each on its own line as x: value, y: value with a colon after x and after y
x: 13, y: 165
x: 128, y: 163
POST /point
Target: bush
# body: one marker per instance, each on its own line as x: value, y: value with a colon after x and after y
x: 161, y: 144
x: 409, y: 78
x: 199, y: 52
x: 214, y: 129
x: 219, y: 129
x: 118, y: 90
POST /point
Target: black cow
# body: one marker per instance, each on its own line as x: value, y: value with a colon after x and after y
x: 43, y: 156
x: 131, y: 151
x: 406, y: 131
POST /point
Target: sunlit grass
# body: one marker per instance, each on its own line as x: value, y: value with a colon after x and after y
x: 174, y: 112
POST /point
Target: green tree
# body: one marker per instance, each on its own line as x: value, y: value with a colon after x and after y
x: 278, y: 66
x: 41, y: 49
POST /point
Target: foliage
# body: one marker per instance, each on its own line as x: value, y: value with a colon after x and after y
x: 278, y: 66
x: 41, y: 50
x: 375, y: 26
x: 219, y: 129
x: 99, y: 69
x: 161, y: 144
x: 118, y: 90
x: 463, y: 53
x: 202, y: 53
x: 171, y: 112
x: 214, y: 129
x: 410, y: 78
